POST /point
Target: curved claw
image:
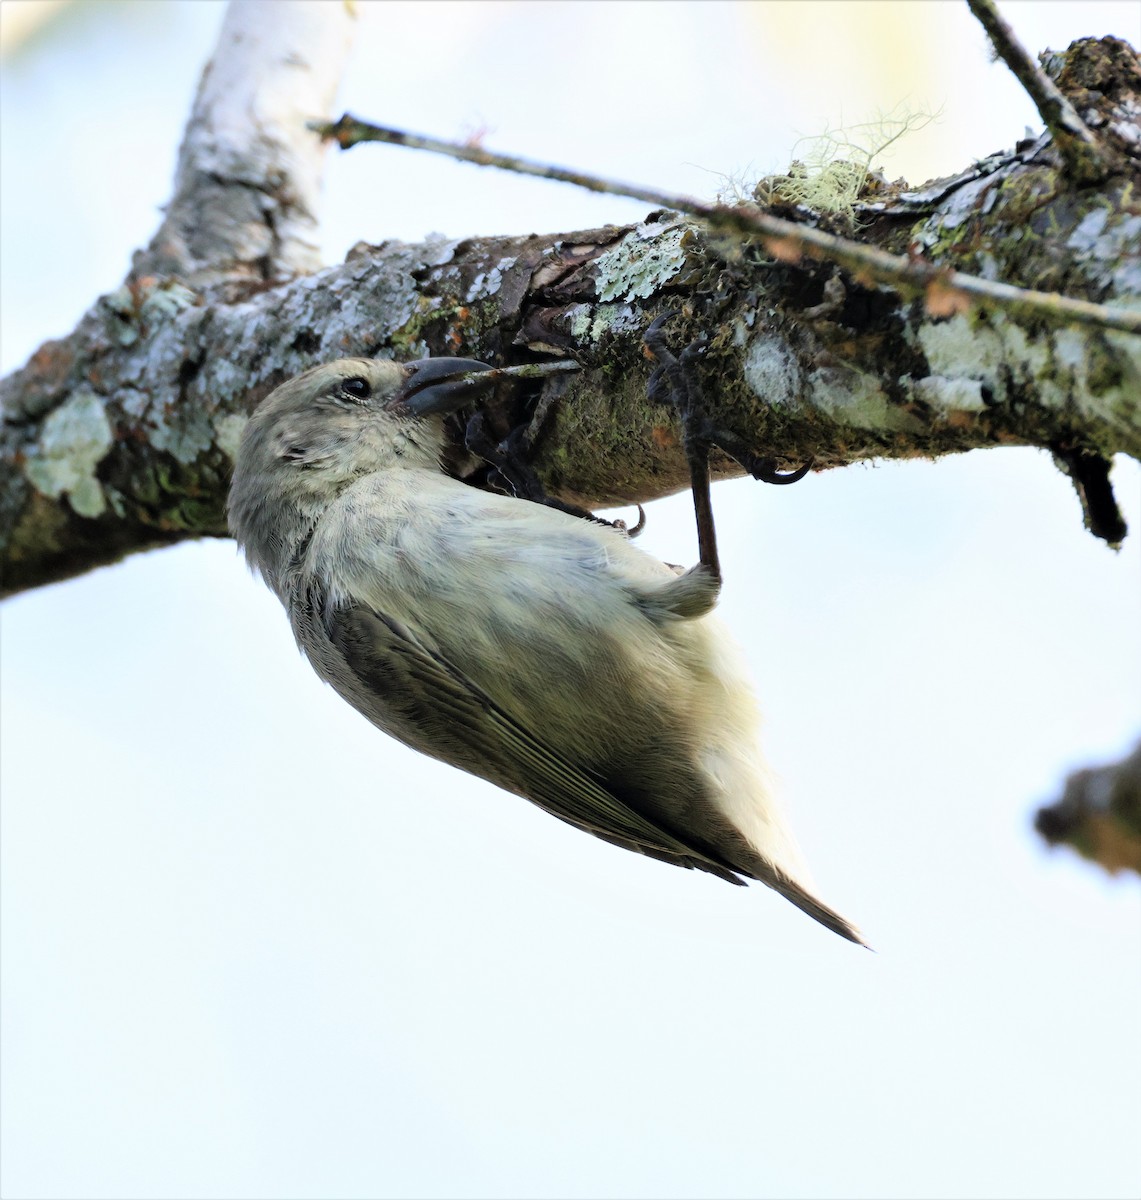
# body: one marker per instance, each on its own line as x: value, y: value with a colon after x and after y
x: 695, y: 349
x: 654, y: 330
x: 767, y: 472
x: 621, y: 525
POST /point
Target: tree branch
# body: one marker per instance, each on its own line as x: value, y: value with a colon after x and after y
x: 247, y: 184
x: 1099, y: 815
x: 1086, y: 159
x: 947, y: 291
x: 121, y: 435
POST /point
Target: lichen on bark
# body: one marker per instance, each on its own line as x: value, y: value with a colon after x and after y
x: 804, y: 359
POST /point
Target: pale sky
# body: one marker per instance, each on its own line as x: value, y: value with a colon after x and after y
x: 252, y: 948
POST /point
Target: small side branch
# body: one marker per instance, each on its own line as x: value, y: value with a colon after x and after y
x: 1085, y: 157
x: 247, y: 185
x: 1099, y: 814
x: 1089, y: 473
x: 945, y: 291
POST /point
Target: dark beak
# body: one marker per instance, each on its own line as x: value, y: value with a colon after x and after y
x: 440, y: 385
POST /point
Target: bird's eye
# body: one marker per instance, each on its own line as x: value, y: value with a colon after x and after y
x: 356, y: 388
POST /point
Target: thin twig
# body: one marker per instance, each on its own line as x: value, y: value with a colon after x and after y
x: 525, y: 371
x: 1083, y: 153
x: 944, y: 290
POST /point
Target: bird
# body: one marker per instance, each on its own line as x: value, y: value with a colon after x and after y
x: 538, y: 650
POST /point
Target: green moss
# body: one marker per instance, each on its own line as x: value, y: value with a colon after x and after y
x: 409, y: 337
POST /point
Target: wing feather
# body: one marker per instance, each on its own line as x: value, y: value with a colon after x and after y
x: 406, y: 687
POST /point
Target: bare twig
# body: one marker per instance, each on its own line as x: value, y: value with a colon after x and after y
x: 944, y: 291
x: 525, y: 371
x: 1084, y: 155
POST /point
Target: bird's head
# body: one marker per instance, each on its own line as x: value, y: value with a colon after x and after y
x: 318, y: 432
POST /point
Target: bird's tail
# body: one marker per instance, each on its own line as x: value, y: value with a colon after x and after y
x: 807, y: 902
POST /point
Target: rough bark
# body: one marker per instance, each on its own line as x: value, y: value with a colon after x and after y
x: 247, y: 186
x: 121, y: 436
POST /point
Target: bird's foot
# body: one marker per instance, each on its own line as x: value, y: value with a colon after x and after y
x: 511, y: 459
x: 673, y: 382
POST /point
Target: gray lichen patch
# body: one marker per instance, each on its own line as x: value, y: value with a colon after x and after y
x: 1085, y: 237
x: 972, y: 350
x: 841, y: 391
x: 1112, y: 241
x: 630, y: 271
x: 1065, y: 370
x: 853, y: 398
x: 118, y: 311
x: 1100, y: 376
x: 186, y: 433
x: 614, y: 318
x: 772, y: 372
x: 74, y: 440
x: 591, y: 323
x: 129, y: 314
x: 177, y: 424
x: 165, y: 302
x: 489, y: 282
x: 578, y: 320
x: 973, y: 198
x: 945, y: 397
x: 228, y: 433
x: 224, y: 379
x: 964, y: 347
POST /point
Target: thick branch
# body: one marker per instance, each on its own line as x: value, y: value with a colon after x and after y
x: 121, y: 436
x: 248, y: 178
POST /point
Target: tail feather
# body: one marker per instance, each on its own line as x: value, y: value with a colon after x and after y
x: 749, y: 863
x: 807, y: 903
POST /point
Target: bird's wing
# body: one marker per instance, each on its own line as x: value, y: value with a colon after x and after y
x: 410, y: 690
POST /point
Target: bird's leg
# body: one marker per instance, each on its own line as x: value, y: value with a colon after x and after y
x: 674, y: 381
x: 511, y: 459
x: 516, y: 475
x: 677, y: 376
